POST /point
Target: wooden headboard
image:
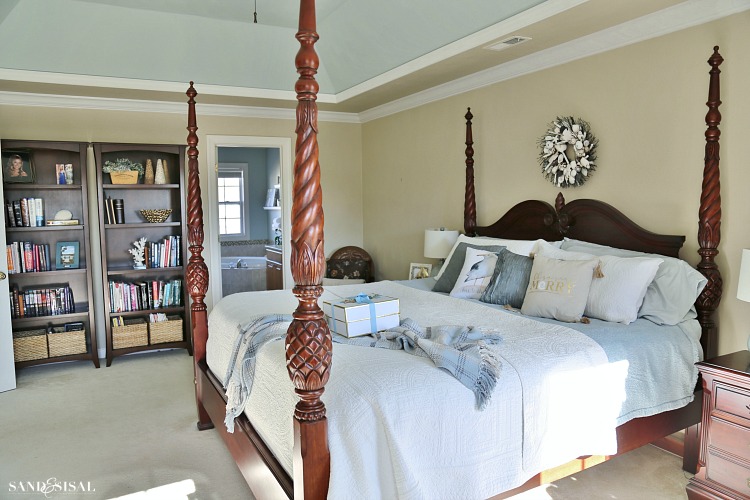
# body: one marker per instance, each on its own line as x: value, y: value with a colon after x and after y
x: 598, y: 222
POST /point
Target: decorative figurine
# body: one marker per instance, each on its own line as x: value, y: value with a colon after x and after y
x: 138, y: 253
x: 159, y: 178
x: 68, y: 173
x: 148, y: 177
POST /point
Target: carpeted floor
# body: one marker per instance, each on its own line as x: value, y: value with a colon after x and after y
x: 129, y: 431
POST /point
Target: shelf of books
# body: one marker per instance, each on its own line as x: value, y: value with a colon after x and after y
x: 143, y: 227
x: 47, y: 252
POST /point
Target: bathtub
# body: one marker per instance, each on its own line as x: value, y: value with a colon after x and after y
x: 242, y: 274
x: 243, y: 262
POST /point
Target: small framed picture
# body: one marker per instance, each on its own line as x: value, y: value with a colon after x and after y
x: 17, y: 167
x: 67, y: 255
x: 272, y: 197
x: 418, y: 271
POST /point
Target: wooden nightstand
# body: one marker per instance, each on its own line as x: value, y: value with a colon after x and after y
x: 724, y: 464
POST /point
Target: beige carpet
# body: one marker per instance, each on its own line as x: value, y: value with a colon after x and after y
x: 129, y: 431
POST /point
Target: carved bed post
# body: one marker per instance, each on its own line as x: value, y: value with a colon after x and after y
x: 196, y: 273
x: 308, y: 340
x: 470, y: 202
x: 709, y: 222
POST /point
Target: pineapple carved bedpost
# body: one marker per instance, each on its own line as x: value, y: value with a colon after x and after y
x: 196, y: 273
x: 470, y: 203
x: 709, y: 215
x: 308, y: 340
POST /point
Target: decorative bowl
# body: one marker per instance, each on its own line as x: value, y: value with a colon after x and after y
x: 156, y: 215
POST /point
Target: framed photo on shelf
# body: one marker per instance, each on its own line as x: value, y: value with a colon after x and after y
x: 418, y: 271
x: 17, y: 167
x: 66, y: 255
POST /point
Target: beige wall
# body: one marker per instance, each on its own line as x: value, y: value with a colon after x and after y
x: 340, y: 152
x: 645, y: 103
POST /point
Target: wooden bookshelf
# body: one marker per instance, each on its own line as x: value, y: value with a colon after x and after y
x: 49, y: 313
x: 118, y: 263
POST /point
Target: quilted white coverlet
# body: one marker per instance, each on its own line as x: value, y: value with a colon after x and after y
x: 401, y: 428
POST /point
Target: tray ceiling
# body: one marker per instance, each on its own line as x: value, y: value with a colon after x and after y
x: 371, y: 52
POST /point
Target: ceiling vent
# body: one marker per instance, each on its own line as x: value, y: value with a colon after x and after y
x: 508, y: 42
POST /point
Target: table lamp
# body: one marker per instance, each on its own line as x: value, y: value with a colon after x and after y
x: 439, y: 242
x: 743, y: 286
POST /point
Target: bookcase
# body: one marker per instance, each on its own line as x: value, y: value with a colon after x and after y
x: 145, y: 306
x: 48, y: 260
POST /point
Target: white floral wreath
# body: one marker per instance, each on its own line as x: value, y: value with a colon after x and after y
x: 568, y: 154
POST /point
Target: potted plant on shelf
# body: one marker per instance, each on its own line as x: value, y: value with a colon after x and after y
x: 123, y: 171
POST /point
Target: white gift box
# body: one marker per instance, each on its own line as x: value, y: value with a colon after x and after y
x: 361, y: 315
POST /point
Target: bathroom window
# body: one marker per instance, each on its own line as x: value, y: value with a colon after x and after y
x: 231, y: 203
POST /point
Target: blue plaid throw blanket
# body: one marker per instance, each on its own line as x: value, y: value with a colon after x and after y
x: 241, y: 369
x: 460, y: 350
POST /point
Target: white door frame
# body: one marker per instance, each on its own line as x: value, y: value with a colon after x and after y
x: 210, y: 206
x: 7, y: 363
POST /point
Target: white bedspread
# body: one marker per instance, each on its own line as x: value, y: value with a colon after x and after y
x: 401, y: 428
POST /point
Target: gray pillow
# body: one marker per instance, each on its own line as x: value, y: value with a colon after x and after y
x: 670, y: 296
x: 452, y: 267
x: 511, y: 278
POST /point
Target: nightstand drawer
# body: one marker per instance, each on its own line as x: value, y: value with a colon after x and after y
x: 730, y: 437
x: 733, y: 400
x: 728, y: 473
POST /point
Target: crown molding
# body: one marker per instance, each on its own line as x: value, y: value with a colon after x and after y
x: 669, y: 20
x: 145, y: 106
x: 21, y: 75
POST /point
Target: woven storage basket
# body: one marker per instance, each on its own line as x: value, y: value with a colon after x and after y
x: 132, y: 334
x: 62, y: 343
x: 29, y: 345
x: 166, y: 331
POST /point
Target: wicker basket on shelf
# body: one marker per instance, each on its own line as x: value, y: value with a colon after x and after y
x: 29, y: 345
x: 166, y: 331
x: 62, y: 343
x: 132, y: 334
x: 156, y: 216
x: 126, y: 177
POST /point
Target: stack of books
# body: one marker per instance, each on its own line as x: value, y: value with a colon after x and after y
x: 114, y: 212
x: 26, y: 212
x: 27, y: 257
x: 41, y: 302
x: 145, y: 295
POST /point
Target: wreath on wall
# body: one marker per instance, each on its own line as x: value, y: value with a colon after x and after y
x: 568, y: 154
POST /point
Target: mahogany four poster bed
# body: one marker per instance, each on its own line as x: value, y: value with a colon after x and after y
x: 308, y: 347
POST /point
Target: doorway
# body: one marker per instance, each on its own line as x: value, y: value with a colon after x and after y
x: 243, y: 215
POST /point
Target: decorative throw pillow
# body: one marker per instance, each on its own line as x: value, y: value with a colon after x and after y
x: 476, y: 273
x: 452, y: 268
x: 619, y: 293
x: 519, y: 247
x: 671, y: 295
x: 558, y: 289
x: 510, y: 280
x: 348, y: 268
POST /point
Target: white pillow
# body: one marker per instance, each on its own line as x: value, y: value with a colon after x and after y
x: 476, y: 274
x: 670, y: 296
x: 344, y: 281
x: 618, y: 295
x: 518, y: 247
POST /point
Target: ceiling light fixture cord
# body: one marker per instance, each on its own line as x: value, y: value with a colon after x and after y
x: 255, y: 13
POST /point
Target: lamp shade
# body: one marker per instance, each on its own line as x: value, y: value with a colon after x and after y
x: 743, y: 286
x: 439, y: 242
